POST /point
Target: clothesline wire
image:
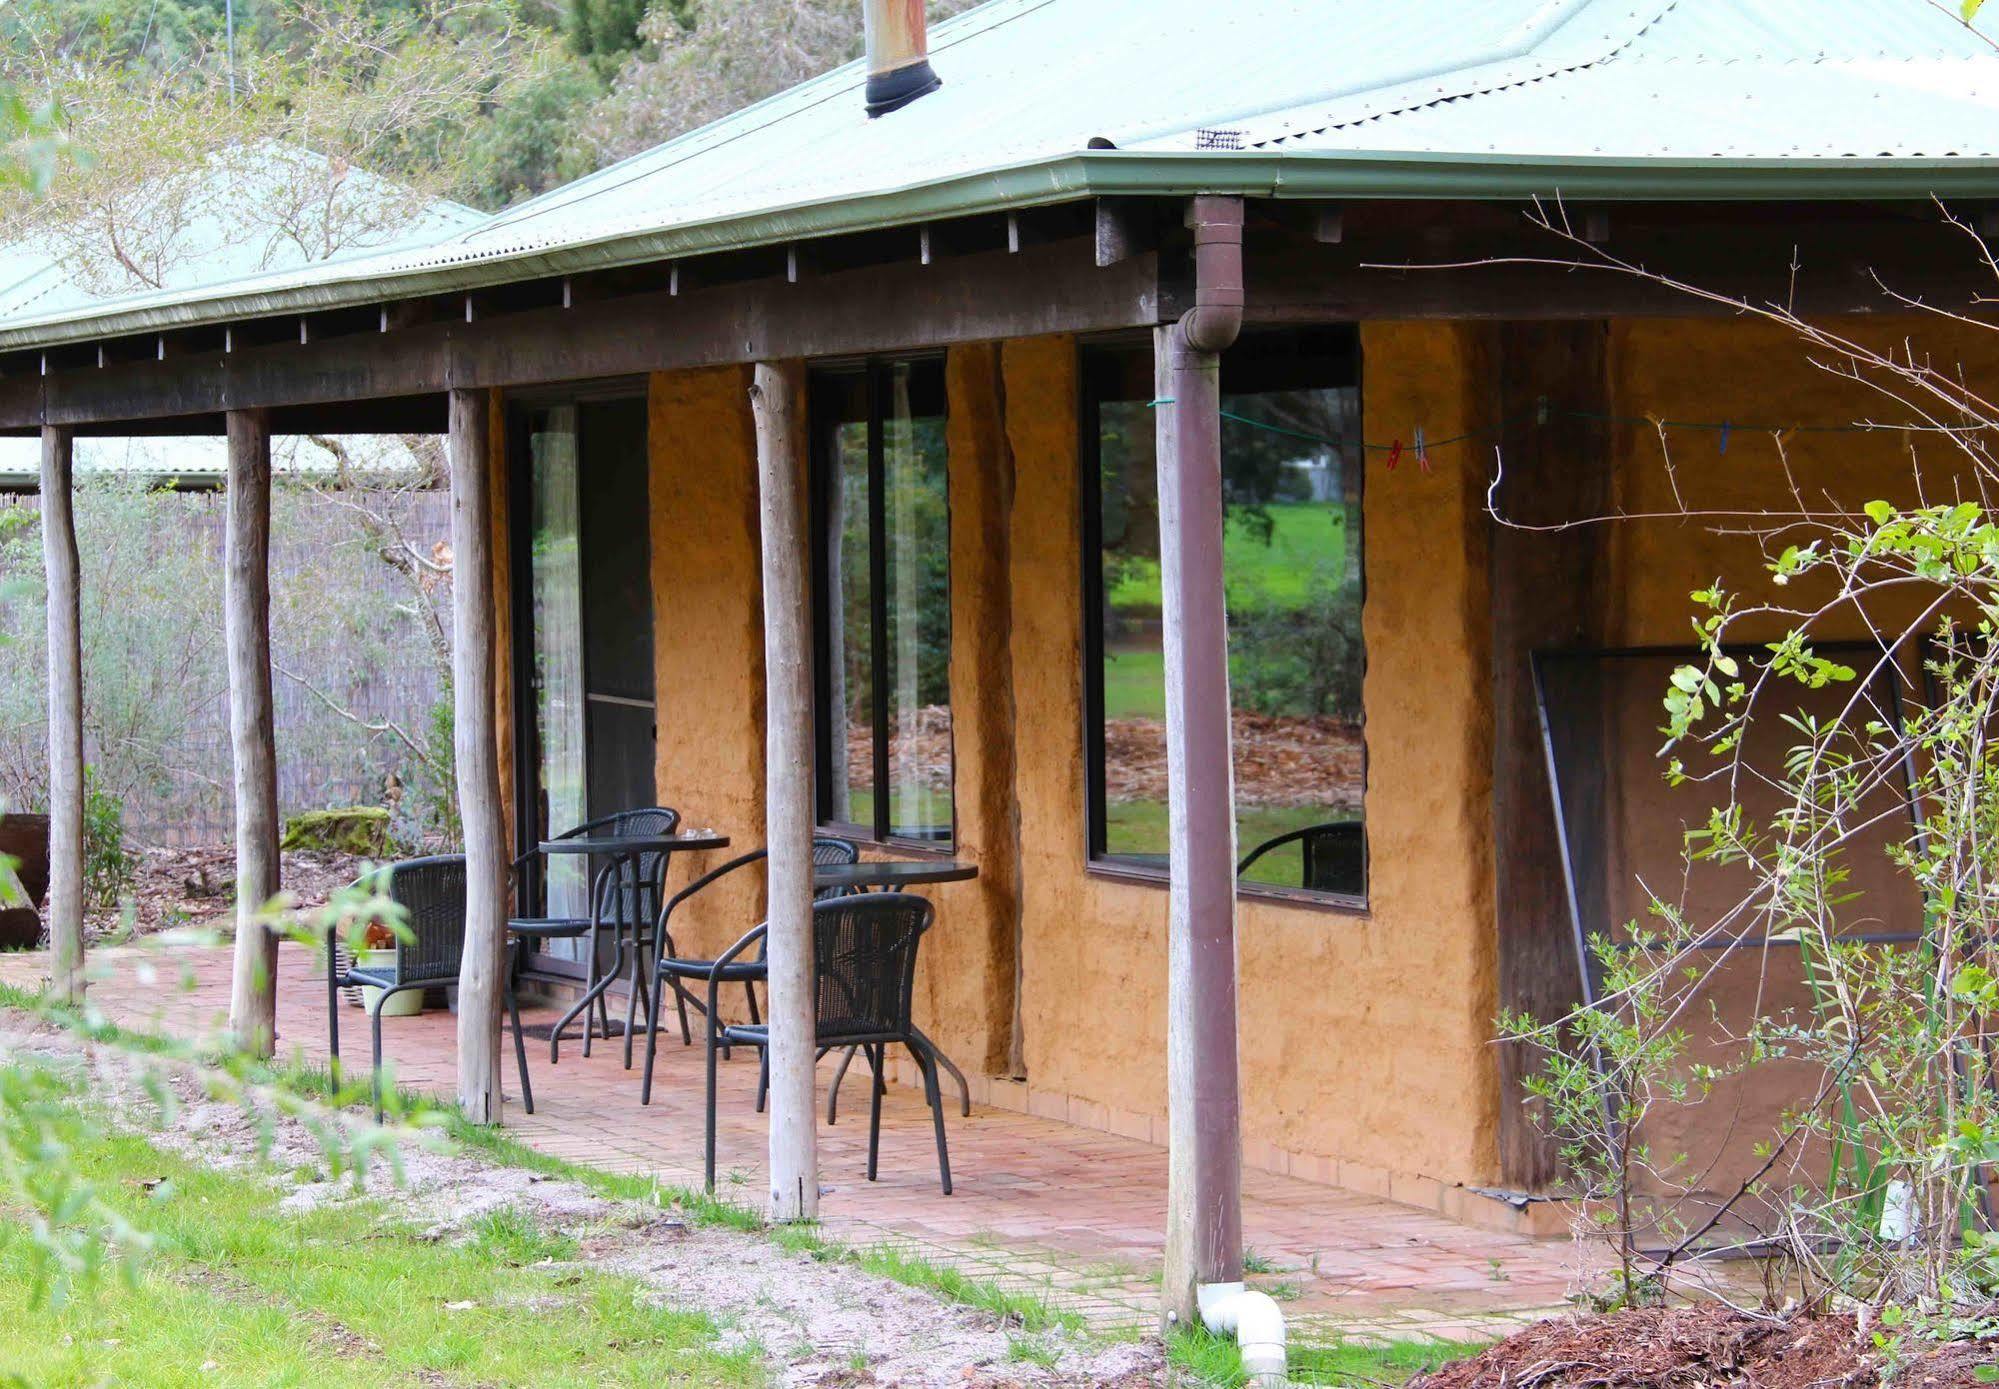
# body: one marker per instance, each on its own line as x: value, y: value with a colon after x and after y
x: 1543, y: 414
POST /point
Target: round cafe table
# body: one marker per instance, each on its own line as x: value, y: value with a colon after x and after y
x: 617, y: 857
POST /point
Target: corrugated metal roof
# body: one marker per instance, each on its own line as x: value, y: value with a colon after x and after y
x: 232, y: 231
x: 1755, y: 79
x: 1422, y: 98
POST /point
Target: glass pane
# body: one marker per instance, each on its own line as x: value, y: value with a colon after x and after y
x: 1134, y: 660
x: 850, y: 796
x: 916, y: 543
x: 558, y: 651
x: 1292, y: 560
x: 1292, y: 569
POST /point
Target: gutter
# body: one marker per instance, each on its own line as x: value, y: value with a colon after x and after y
x: 1038, y: 183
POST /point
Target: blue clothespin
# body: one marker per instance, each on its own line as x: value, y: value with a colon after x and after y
x: 1724, y: 436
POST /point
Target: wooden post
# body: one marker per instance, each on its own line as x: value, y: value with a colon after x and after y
x: 65, y: 627
x: 1548, y: 591
x: 253, y: 998
x: 777, y: 400
x: 1203, y: 1083
x: 481, y: 972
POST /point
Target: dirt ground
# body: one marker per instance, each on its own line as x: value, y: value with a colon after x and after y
x: 195, y: 887
x: 812, y: 1318
x: 1685, y: 1347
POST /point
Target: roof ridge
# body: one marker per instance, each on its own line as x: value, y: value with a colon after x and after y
x: 1488, y: 75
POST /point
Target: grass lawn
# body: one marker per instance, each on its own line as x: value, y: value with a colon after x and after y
x: 1216, y: 1361
x: 1303, y: 537
x: 1139, y: 827
x: 243, y: 1293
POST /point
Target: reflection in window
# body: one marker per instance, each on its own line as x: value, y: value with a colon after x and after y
x: 558, y: 650
x: 884, y: 601
x: 1292, y: 560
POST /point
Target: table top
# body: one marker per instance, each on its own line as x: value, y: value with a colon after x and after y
x: 610, y: 844
x: 893, y: 873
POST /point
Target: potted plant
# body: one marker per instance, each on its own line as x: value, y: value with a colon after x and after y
x: 377, y: 951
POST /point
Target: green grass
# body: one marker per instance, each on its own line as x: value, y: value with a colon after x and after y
x: 1134, y: 682
x: 1304, y: 537
x: 1139, y: 827
x: 503, y: 1235
x: 240, y: 1292
x: 1215, y: 1360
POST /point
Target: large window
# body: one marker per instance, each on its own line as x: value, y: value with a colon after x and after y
x: 882, y: 539
x: 1291, y: 460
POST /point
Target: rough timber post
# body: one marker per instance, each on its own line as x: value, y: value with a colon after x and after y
x: 475, y: 744
x: 253, y: 1010
x: 777, y: 400
x: 59, y: 563
x: 1204, y: 1163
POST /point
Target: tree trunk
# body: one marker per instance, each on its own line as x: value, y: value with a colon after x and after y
x: 776, y: 398
x: 65, y: 718
x: 253, y: 997
x: 481, y: 975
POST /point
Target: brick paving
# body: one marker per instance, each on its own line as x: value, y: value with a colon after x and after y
x: 1073, y: 1215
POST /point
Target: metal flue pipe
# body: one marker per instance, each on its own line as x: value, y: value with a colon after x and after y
x: 898, y: 42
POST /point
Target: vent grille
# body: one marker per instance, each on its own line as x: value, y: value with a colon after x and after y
x: 1208, y: 138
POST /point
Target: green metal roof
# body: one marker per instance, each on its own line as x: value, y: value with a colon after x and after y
x: 1803, y: 100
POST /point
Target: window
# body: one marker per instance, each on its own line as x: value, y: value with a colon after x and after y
x: 1291, y: 458
x: 883, y: 601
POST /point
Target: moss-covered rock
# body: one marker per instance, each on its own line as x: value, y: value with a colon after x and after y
x: 358, y: 829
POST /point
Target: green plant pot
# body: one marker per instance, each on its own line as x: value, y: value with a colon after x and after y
x: 406, y: 1004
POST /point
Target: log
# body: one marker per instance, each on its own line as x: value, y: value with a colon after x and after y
x: 65, y: 626
x: 481, y: 970
x: 777, y: 395
x: 253, y: 998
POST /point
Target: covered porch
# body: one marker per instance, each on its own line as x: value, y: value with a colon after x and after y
x: 1042, y: 1207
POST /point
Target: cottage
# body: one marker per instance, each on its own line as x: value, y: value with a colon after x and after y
x: 1112, y: 399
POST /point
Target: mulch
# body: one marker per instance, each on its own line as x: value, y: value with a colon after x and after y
x: 195, y: 887
x: 1708, y: 1344
x: 1279, y: 761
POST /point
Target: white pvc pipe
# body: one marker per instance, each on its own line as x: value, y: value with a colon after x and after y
x: 1255, y: 1322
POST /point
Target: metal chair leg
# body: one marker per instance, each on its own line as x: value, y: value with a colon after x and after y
x: 964, y: 1090
x: 652, y: 1033
x: 839, y: 1079
x: 520, y: 1042
x: 763, y: 1077
x: 380, y: 999
x: 927, y: 1060
x: 332, y: 1022
x: 709, y: 1149
x: 877, y: 1057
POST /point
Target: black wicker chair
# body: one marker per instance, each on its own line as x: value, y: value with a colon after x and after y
x: 431, y: 892
x: 671, y: 970
x: 1335, y: 856
x: 864, y: 952
x: 614, y: 904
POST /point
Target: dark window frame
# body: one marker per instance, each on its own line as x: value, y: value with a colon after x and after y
x: 1097, y: 376
x: 821, y: 381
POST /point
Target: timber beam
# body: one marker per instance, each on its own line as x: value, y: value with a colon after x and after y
x: 994, y: 294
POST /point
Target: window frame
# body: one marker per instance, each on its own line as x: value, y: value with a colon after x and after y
x: 823, y: 477
x: 1094, y: 356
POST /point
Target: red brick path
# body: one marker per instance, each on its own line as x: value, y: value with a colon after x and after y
x: 1073, y: 1213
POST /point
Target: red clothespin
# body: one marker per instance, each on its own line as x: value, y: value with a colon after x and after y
x: 1394, y: 454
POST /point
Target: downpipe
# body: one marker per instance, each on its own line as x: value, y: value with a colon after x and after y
x: 1207, y: 329
x: 1230, y: 1309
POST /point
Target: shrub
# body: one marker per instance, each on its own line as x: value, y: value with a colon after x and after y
x: 107, y: 864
